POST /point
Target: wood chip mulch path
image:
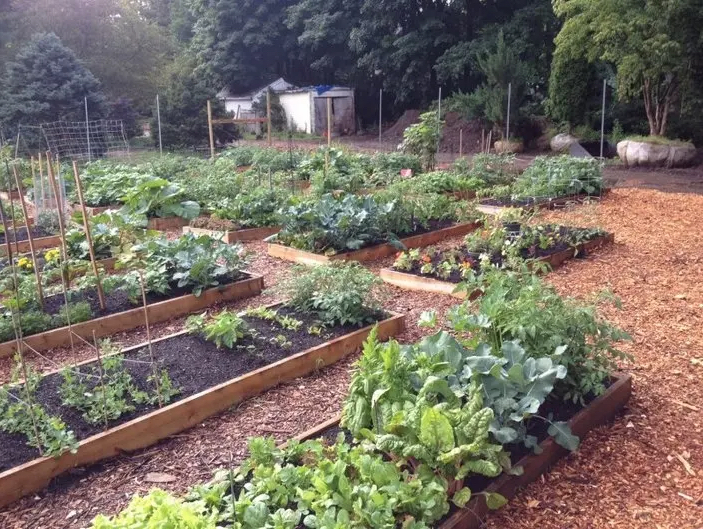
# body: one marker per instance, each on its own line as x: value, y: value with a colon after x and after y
x: 645, y: 470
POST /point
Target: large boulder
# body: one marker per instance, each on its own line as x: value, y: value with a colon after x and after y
x: 635, y: 153
x: 562, y: 142
x: 509, y: 146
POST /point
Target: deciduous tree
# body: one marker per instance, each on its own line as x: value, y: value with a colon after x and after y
x: 648, y: 41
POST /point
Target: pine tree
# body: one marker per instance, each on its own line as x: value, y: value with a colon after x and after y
x: 46, y: 82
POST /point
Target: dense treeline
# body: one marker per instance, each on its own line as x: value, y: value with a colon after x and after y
x: 555, y: 54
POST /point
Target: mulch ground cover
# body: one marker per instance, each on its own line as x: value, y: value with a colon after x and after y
x: 645, y: 470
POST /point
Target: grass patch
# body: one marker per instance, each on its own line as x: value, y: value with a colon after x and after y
x: 660, y: 140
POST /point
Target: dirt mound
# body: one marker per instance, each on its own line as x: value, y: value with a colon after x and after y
x: 453, y: 124
x: 408, y: 118
x: 454, y: 127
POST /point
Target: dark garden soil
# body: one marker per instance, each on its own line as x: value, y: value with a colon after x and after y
x: 21, y: 234
x: 193, y: 364
x: 462, y: 255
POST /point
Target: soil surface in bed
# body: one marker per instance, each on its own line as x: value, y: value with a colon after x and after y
x: 193, y: 364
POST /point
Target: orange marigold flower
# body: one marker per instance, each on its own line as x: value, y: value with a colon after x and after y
x: 426, y: 259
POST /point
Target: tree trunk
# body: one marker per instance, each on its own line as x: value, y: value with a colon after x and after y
x: 658, y: 99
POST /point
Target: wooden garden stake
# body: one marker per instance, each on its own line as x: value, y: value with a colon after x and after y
x: 59, y: 207
x: 231, y: 489
x: 329, y: 122
x: 268, y: 114
x: 210, y: 131
x: 41, y: 179
x: 461, y: 142
x: 64, y: 251
x: 148, y: 340
x: 102, y: 378
x: 17, y: 326
x: 30, y: 239
x: 12, y: 210
x: 86, y: 226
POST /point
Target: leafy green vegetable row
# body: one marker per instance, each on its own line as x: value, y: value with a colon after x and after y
x: 426, y: 418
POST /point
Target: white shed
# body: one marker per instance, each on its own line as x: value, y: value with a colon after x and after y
x: 305, y: 108
x: 240, y: 105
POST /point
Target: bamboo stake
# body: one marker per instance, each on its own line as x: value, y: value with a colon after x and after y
x: 64, y: 251
x: 209, y: 126
x: 59, y: 206
x: 12, y: 210
x: 329, y: 122
x: 268, y: 114
x: 148, y: 340
x: 102, y: 378
x: 17, y: 326
x: 37, y: 200
x: 30, y: 239
x: 41, y: 179
x: 89, y: 238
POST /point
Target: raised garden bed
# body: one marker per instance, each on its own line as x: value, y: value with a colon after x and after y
x: 12, y: 195
x: 415, y: 280
x: 232, y: 236
x: 238, y: 375
x: 166, y: 223
x: 22, y: 243
x: 371, y: 253
x: 121, y: 320
x: 154, y: 223
x: 601, y: 410
x: 493, y: 206
x: 95, y: 210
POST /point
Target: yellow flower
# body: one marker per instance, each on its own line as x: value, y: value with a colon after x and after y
x: 25, y: 264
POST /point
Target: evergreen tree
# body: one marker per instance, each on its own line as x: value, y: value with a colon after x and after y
x: 46, y: 82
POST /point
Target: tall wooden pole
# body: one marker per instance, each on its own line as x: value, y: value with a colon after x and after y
x: 30, y: 239
x: 12, y: 209
x: 329, y: 122
x: 41, y: 177
x: 89, y: 238
x: 268, y: 114
x: 59, y: 206
x: 64, y: 250
x: 19, y: 339
x: 209, y: 126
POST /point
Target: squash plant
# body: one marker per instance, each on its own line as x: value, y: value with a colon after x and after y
x: 157, y: 197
